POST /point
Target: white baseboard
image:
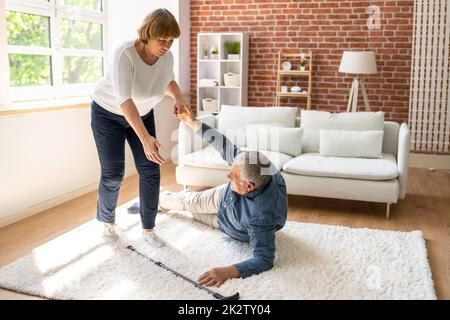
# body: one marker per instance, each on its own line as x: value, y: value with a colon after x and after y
x: 20, y: 215
x: 429, y: 161
x: 46, y: 205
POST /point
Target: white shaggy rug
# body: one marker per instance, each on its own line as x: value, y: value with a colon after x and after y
x: 312, y: 262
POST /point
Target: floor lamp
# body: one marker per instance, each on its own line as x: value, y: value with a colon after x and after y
x: 359, y: 63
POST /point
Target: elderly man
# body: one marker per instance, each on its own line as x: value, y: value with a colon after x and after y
x: 251, y: 207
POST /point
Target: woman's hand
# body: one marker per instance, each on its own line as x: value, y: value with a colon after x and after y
x: 151, y: 149
x: 179, y: 107
x: 185, y: 115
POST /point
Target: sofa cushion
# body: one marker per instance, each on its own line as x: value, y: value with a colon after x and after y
x: 232, y: 120
x: 313, y: 164
x: 208, y: 157
x: 205, y: 158
x: 353, y: 144
x: 277, y: 158
x: 313, y: 121
x: 273, y: 138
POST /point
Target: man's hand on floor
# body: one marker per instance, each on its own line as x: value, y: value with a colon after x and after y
x: 217, y: 276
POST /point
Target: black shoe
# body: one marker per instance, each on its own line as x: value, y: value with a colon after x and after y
x: 135, y: 208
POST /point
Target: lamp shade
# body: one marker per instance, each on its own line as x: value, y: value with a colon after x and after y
x: 360, y: 62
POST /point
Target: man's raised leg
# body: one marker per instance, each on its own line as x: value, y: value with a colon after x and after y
x: 203, y: 204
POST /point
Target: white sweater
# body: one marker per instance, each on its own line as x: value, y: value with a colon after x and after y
x: 130, y: 77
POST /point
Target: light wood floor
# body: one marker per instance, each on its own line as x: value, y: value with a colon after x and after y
x: 426, y: 208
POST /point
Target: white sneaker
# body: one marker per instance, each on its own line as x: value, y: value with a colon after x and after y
x: 110, y: 233
x: 153, y: 240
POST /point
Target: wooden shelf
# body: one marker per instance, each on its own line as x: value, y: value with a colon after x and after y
x: 292, y: 94
x: 281, y: 57
x: 296, y: 55
x: 219, y: 60
x: 294, y: 73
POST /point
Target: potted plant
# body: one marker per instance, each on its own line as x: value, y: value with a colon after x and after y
x: 302, y: 63
x: 233, y: 49
x: 214, y: 54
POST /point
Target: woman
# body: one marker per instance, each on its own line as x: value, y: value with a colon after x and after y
x: 140, y: 75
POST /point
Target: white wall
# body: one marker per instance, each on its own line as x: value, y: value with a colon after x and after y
x: 44, y: 156
x: 49, y: 158
x: 184, y: 49
x: 125, y: 17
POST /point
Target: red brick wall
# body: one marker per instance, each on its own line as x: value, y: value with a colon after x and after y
x: 325, y: 27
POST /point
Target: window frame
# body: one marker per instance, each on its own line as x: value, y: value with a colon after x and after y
x: 56, y: 10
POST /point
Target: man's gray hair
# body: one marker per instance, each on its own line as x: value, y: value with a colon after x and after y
x: 255, y: 167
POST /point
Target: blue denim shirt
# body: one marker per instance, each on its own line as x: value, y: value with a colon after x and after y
x: 254, y: 217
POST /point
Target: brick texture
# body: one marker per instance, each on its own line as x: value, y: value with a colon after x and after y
x: 325, y: 27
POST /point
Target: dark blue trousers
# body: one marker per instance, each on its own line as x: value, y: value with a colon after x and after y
x: 110, y: 132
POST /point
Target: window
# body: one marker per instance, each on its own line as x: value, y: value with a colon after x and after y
x: 55, y: 47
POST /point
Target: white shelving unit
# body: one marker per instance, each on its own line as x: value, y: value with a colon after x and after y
x: 215, y: 69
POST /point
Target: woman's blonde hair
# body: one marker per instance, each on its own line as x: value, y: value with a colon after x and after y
x: 159, y: 24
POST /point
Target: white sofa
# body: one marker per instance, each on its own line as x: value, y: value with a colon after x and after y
x: 381, y: 179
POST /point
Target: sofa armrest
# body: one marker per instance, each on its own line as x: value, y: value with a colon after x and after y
x: 209, y: 119
x: 404, y: 141
x: 187, y: 141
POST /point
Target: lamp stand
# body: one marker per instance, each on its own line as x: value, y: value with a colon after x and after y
x: 353, y: 99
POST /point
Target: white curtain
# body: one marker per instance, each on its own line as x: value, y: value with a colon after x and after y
x: 429, y: 112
